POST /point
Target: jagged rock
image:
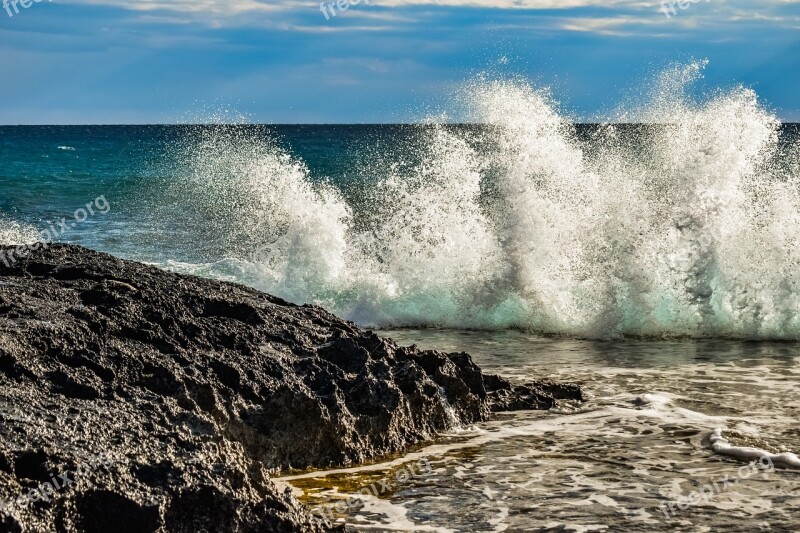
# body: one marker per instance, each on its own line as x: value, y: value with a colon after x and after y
x: 193, y: 391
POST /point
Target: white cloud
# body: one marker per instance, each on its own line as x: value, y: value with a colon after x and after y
x: 616, y: 18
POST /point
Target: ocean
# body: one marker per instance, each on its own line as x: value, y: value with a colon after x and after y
x: 654, y: 261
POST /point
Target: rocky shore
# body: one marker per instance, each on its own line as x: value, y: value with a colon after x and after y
x: 135, y: 400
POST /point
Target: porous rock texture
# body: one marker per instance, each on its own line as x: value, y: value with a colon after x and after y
x: 196, y: 391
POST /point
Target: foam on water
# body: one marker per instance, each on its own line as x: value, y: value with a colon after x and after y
x: 721, y: 445
x: 14, y: 233
x: 688, y: 228
x: 651, y: 435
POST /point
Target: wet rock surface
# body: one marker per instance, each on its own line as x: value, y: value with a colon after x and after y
x: 152, y: 401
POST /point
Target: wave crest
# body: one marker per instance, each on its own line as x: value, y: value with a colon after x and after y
x: 686, y: 227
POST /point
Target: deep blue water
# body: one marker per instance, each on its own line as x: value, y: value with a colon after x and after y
x: 46, y: 172
x: 589, y: 230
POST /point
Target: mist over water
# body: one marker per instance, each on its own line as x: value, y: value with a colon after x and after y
x: 681, y: 218
x: 12, y: 232
x: 687, y: 227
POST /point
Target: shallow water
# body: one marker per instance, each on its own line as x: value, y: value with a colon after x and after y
x: 639, y: 442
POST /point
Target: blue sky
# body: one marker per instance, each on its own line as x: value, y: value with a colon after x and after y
x: 282, y: 61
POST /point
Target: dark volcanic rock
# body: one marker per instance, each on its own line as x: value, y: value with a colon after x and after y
x: 166, y: 400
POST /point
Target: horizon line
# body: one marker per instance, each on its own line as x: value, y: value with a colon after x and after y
x: 296, y: 124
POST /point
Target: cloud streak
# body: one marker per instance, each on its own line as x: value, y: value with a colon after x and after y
x: 610, y: 18
x: 282, y: 61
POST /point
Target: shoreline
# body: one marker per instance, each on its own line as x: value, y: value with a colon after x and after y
x: 200, y: 391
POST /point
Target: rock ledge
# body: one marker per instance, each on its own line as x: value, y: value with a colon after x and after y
x: 167, y: 400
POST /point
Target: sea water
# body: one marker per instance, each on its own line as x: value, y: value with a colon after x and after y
x: 653, y: 259
x: 636, y: 457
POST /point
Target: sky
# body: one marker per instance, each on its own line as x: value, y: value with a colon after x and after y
x: 285, y: 61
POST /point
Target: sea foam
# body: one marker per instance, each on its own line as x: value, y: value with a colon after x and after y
x: 686, y: 227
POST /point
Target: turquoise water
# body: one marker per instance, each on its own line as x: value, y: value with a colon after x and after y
x: 46, y: 172
x: 596, y: 231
